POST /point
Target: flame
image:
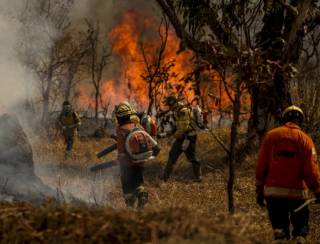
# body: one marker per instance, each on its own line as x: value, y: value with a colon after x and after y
x: 126, y: 38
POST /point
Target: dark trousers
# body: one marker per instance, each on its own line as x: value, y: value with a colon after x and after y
x: 69, y: 135
x: 131, y: 178
x: 69, y: 143
x: 281, y: 214
x: 176, y: 151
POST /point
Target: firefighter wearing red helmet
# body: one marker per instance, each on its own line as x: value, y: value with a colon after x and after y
x: 287, y: 169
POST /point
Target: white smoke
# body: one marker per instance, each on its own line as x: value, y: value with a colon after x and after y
x: 16, y: 80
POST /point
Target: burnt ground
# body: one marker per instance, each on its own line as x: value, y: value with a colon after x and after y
x: 180, y: 211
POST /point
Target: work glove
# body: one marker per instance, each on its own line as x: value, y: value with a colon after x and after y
x: 260, y: 200
x: 317, y: 198
x: 161, y: 135
x: 185, y: 144
x: 156, y: 150
x: 260, y: 196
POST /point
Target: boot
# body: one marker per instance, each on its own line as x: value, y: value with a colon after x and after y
x: 166, y: 173
x: 143, y: 198
x: 280, y: 234
x: 130, y: 200
x: 197, y: 172
x: 68, y: 154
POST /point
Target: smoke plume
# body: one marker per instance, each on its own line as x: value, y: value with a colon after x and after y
x: 16, y: 81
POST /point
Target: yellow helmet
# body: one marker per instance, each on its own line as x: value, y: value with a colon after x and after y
x: 124, y: 109
x: 293, y: 111
x: 134, y: 118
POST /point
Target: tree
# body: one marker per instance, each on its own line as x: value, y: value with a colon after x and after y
x: 255, y: 43
x: 157, y: 72
x: 44, y: 50
x: 99, y: 55
x: 220, y: 31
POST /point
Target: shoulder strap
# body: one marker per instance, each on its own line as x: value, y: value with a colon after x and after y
x: 74, y: 116
x: 129, y: 131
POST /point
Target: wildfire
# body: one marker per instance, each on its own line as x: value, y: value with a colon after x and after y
x: 135, y: 30
x: 126, y: 39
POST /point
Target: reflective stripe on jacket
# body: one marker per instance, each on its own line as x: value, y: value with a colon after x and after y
x: 287, y: 164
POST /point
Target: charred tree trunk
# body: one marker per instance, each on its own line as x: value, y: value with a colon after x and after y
x: 281, y: 41
x: 97, y: 96
x: 151, y: 100
x: 233, y: 144
x: 46, y: 98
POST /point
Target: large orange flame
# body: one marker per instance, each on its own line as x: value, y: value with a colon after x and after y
x: 126, y: 38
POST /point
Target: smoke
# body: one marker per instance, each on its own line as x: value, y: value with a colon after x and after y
x: 15, y: 78
x: 28, y: 36
x: 109, y: 12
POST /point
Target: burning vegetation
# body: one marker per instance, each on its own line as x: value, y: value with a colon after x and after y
x: 206, y: 79
x: 152, y: 66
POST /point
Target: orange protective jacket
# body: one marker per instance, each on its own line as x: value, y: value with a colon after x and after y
x: 287, y: 164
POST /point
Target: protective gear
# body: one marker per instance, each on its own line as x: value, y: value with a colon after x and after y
x: 197, y: 116
x: 124, y: 109
x: 317, y: 198
x: 197, y: 172
x: 134, y: 119
x: 281, y: 213
x: 130, y: 200
x: 68, y: 154
x: 66, y: 103
x: 190, y: 153
x: 156, y: 150
x: 139, y: 145
x: 162, y: 135
x: 185, y: 125
x: 69, y: 122
x: 260, y: 200
x: 260, y: 195
x: 148, y: 123
x: 66, y: 107
x: 186, y: 138
x: 131, y: 174
x: 287, y: 164
x: 142, y: 197
x: 286, y: 168
x: 292, y: 112
x: 171, y: 100
x: 185, y: 144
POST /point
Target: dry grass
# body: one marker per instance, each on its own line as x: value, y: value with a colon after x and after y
x: 180, y: 211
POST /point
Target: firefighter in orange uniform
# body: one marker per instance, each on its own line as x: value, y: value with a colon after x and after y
x: 131, y: 172
x: 287, y: 167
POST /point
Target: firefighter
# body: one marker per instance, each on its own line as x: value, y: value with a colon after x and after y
x: 148, y: 123
x: 287, y: 167
x: 186, y: 137
x: 69, y: 122
x: 131, y: 174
